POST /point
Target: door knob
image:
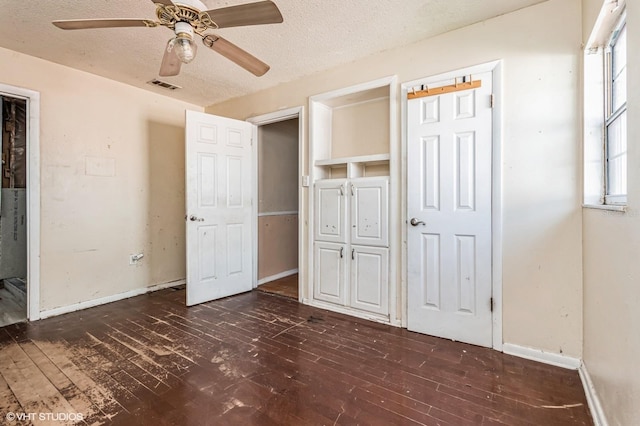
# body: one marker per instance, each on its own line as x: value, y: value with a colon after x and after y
x: 193, y: 218
x: 416, y: 222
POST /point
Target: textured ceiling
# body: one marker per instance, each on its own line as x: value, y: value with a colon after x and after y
x: 316, y: 35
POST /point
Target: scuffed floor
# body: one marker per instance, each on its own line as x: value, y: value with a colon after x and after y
x: 265, y: 360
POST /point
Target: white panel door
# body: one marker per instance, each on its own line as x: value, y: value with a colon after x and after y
x: 329, y: 282
x: 370, y: 211
x: 370, y: 279
x: 330, y: 211
x: 449, y: 210
x: 218, y: 193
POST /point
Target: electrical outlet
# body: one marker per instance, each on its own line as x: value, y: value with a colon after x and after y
x: 134, y: 259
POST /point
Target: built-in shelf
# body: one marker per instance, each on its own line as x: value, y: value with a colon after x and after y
x: 369, y: 160
x: 352, y: 135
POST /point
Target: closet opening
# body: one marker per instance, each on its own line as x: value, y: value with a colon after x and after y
x: 278, y: 207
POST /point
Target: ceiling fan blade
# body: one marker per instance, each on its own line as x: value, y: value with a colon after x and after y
x: 83, y: 24
x: 232, y: 52
x: 170, y: 62
x: 164, y: 2
x: 262, y: 12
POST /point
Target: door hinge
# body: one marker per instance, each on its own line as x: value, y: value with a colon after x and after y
x: 492, y: 100
x: 491, y: 304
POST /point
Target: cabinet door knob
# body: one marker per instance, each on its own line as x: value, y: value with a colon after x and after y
x: 353, y: 254
x: 341, y: 252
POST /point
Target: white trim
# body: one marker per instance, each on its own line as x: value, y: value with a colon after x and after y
x: 254, y: 206
x: 495, y: 67
x: 291, y: 213
x: 277, y: 276
x: 395, y: 175
x: 404, y: 252
x: 383, y: 319
x: 496, y: 206
x: 374, y: 84
x: 367, y: 159
x: 109, y: 299
x: 609, y: 207
x: 261, y: 120
x: 597, y: 413
x: 541, y: 356
x: 33, y: 195
x: 277, y: 116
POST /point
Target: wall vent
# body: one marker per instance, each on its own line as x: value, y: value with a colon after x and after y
x: 163, y: 84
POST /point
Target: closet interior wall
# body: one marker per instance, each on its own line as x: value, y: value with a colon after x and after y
x: 277, y: 200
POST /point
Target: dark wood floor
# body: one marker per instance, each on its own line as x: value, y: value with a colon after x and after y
x: 287, y: 287
x: 267, y: 360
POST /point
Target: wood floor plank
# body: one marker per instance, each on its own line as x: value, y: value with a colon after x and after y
x: 8, y: 400
x: 78, y: 402
x: 29, y: 398
x: 97, y: 393
x: 262, y: 359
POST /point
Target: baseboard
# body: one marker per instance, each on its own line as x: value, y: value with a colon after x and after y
x: 104, y: 300
x: 277, y: 276
x: 597, y: 413
x: 383, y: 319
x: 542, y: 356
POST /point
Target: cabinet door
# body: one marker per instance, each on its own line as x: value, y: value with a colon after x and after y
x: 370, y: 211
x: 329, y: 272
x: 330, y: 223
x: 370, y: 279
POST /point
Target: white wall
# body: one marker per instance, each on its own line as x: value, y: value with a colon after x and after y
x: 91, y: 224
x: 611, y: 266
x: 540, y: 46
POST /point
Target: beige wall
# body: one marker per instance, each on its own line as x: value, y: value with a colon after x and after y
x: 540, y: 46
x: 612, y: 269
x: 112, y: 167
x: 277, y: 245
x: 360, y: 129
x: 278, y: 167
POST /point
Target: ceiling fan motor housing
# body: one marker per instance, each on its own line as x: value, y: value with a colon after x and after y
x: 196, y: 4
x: 171, y: 15
x: 184, y: 29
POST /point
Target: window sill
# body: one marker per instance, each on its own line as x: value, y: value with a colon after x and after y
x: 609, y: 207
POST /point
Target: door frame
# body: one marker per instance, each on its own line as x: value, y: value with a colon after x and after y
x: 495, y: 67
x: 261, y: 120
x: 33, y: 194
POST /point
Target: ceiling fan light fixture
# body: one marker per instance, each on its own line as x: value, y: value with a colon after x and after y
x: 185, y: 47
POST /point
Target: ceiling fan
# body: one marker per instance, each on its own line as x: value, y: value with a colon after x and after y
x: 189, y: 17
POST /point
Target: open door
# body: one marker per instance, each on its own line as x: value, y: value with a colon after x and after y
x: 218, y: 193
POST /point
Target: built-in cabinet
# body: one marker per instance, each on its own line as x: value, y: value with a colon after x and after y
x: 350, y: 201
x: 351, y: 243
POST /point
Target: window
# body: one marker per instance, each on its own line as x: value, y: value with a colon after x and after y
x: 616, y: 118
x: 605, y: 110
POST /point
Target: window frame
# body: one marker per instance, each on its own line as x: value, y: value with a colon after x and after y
x: 611, y: 115
x: 598, y: 117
